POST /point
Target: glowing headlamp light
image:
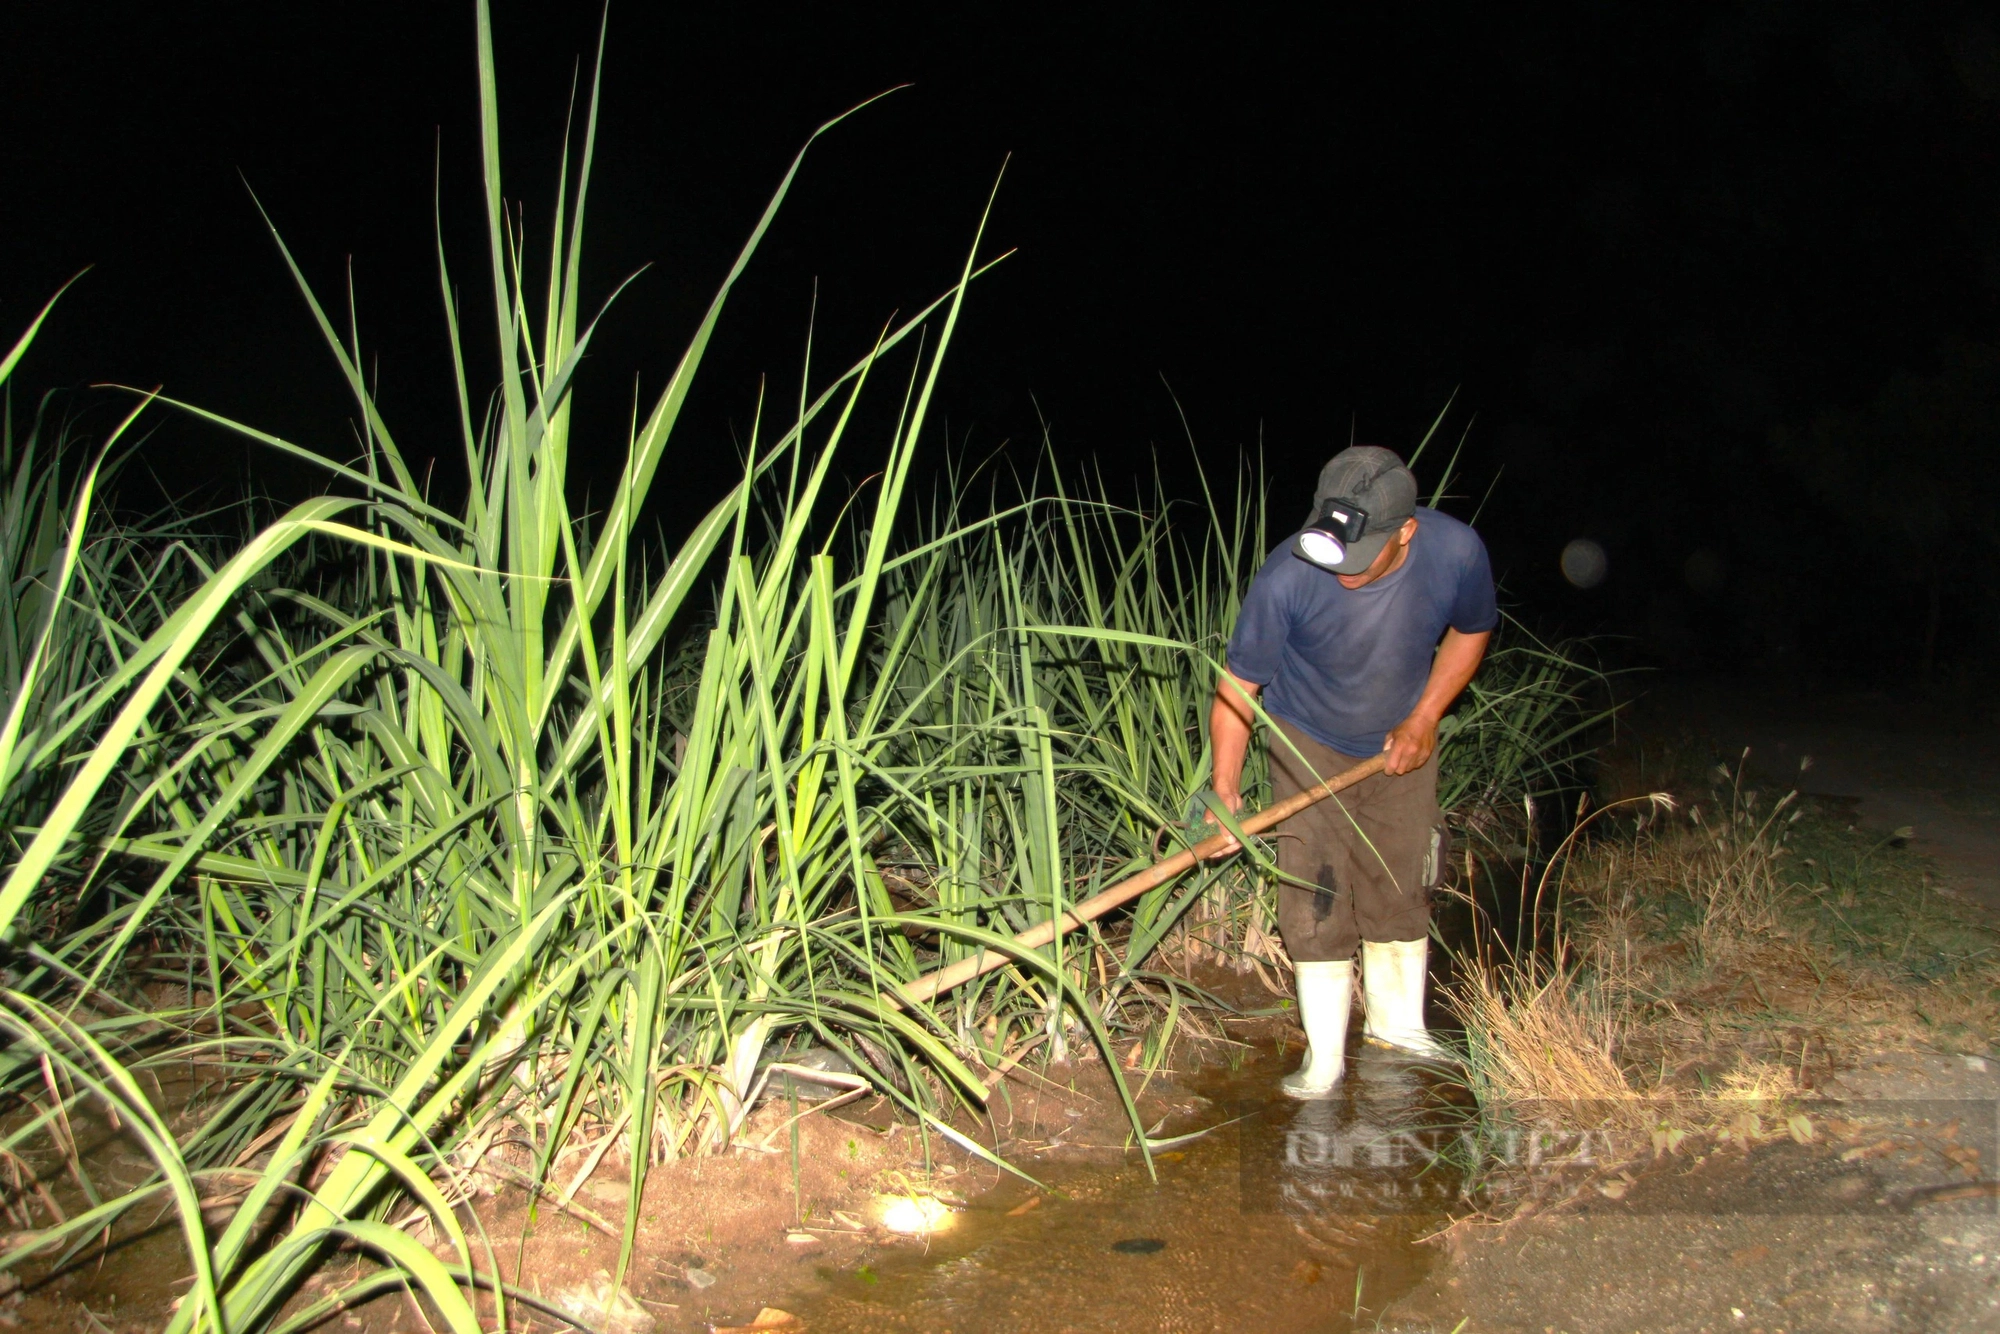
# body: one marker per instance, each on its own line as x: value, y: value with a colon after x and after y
x: 1338, y: 525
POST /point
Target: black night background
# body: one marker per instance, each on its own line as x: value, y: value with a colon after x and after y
x: 1712, y: 283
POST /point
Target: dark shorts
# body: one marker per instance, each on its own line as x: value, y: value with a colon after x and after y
x: 1374, y: 852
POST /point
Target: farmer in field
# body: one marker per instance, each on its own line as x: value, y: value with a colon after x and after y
x: 1358, y: 632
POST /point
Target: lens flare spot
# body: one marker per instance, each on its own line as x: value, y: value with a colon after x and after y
x: 914, y: 1214
x: 1584, y: 563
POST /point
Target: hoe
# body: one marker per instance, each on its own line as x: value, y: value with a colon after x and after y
x: 944, y: 979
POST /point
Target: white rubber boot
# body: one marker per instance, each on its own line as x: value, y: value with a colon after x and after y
x: 1393, y: 974
x: 1325, y: 991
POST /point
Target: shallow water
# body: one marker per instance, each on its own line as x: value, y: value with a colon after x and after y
x: 1302, y: 1216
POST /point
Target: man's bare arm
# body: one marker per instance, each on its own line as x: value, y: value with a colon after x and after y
x: 1413, y: 739
x: 1230, y: 721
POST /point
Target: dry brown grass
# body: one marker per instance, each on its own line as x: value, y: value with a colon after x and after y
x: 1706, y: 970
x: 1539, y: 1036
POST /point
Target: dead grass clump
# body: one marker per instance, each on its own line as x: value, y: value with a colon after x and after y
x: 1733, y: 874
x: 1539, y: 1036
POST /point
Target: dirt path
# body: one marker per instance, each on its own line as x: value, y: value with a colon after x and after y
x: 1836, y: 1234
x: 1904, y: 763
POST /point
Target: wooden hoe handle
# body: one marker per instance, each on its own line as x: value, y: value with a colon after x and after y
x: 944, y: 979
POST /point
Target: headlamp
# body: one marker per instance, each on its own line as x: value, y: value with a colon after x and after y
x: 1338, y: 525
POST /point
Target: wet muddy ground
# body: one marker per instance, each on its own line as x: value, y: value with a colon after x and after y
x: 1338, y: 1216
x: 1350, y: 1213
x: 1308, y: 1215
x: 1290, y: 1215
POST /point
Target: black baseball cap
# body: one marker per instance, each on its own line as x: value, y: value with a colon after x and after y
x: 1373, y: 480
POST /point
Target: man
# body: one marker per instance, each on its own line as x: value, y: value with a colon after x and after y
x: 1359, y: 633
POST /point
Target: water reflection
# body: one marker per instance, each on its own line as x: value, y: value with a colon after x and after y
x: 1280, y: 1218
x: 1391, y: 1140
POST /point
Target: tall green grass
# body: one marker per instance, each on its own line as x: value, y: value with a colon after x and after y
x: 78, y: 590
x: 500, y: 823
x: 443, y: 849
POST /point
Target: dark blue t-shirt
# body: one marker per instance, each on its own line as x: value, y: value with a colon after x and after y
x: 1346, y: 665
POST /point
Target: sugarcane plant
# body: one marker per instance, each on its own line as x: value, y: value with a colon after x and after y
x: 437, y: 842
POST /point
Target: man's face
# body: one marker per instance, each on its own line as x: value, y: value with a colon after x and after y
x: 1388, y: 558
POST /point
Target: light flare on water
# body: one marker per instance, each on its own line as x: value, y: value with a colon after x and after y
x: 914, y: 1214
